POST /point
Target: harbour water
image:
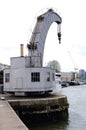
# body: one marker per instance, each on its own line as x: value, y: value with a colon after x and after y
x: 77, y: 111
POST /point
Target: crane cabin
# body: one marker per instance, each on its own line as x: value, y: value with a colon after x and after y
x: 21, y: 78
x: 26, y: 74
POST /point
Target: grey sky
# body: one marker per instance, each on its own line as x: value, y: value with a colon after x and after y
x: 17, y: 18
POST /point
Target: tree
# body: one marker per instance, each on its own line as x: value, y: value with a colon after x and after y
x: 54, y: 65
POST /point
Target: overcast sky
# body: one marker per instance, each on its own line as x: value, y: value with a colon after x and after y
x: 16, y: 22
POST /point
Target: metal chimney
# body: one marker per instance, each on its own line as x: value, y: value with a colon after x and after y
x: 21, y: 49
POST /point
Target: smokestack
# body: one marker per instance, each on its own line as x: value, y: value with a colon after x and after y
x: 21, y: 49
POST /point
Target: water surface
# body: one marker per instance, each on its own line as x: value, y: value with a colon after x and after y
x: 77, y: 111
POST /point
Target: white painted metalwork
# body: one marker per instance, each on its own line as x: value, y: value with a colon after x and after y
x: 26, y: 73
x: 37, y: 41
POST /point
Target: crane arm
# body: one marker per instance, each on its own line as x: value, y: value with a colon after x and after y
x: 37, y: 41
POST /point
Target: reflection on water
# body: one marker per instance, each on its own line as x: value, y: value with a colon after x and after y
x: 51, y: 126
x: 77, y: 111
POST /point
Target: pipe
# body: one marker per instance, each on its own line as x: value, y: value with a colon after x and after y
x: 21, y: 50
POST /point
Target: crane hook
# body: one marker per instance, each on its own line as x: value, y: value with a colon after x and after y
x: 59, y: 37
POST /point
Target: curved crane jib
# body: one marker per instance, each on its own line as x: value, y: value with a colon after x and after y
x: 44, y: 21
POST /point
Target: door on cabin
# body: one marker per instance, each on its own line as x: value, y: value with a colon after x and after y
x: 19, y: 82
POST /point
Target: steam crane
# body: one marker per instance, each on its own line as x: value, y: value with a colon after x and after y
x: 27, y: 73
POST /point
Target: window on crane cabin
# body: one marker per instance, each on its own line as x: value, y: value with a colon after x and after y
x: 7, y: 77
x: 48, y: 76
x: 35, y: 77
x: 53, y: 76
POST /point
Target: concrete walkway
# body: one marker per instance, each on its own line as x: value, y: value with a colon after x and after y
x: 9, y: 119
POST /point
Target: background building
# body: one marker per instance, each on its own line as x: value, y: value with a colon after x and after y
x: 82, y: 75
x: 2, y: 67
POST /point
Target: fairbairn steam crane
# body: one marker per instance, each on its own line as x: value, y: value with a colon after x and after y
x: 27, y: 73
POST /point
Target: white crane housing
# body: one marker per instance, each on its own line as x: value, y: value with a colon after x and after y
x: 26, y: 73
